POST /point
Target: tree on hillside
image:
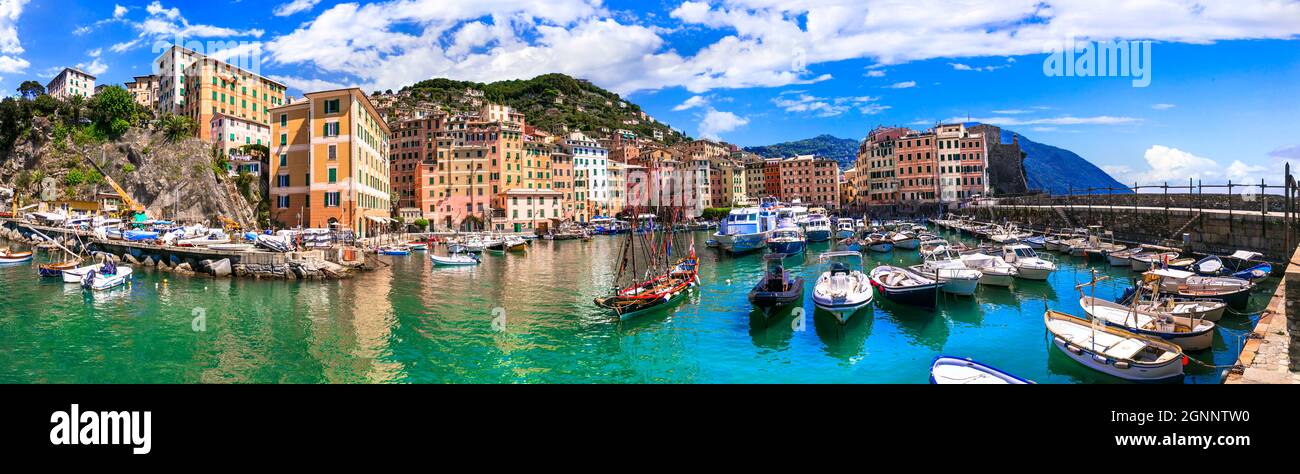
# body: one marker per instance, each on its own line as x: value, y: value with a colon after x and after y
x: 113, y: 111
x: 31, y: 89
x: 176, y: 127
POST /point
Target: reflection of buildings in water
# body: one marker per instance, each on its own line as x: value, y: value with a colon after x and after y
x: 372, y: 319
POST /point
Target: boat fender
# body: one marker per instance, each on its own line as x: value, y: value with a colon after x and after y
x: 667, y: 298
x: 1100, y: 359
x: 1075, y: 349
x: 1119, y: 364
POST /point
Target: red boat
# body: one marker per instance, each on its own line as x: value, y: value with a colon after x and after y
x: 670, y: 280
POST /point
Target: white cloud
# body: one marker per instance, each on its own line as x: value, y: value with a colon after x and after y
x: 717, y: 122
x: 119, y: 11
x: 799, y: 102
x: 1011, y: 111
x: 693, y: 102
x: 902, y: 85
x: 124, y: 46
x: 304, y: 84
x: 164, y: 25
x: 1167, y: 164
x: 761, y: 43
x: 1163, y: 106
x: 296, y: 6
x: 10, y: 46
x: 876, y: 73
x: 94, y: 68
x: 967, y: 67
x: 1062, y: 120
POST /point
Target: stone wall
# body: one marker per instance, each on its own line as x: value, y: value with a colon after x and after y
x: 1006, y: 163
x: 1208, y: 232
x: 1239, y: 200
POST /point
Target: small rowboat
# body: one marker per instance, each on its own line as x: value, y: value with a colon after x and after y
x: 394, y: 251
x: 418, y: 246
x: 955, y: 371
x: 56, y: 269
x: 1115, y: 351
x: 9, y: 256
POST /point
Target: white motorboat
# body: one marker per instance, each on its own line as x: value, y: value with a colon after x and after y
x: 746, y: 229
x: 818, y: 229
x: 1114, y: 351
x: 948, y: 268
x: 933, y: 245
x: 844, y: 229
x: 993, y: 270
x: 106, y: 276
x: 1121, y: 258
x: 1028, y: 264
x: 454, y: 259
x: 77, y: 274
x: 906, y: 241
x: 842, y: 290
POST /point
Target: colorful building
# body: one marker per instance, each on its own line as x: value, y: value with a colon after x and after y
x: 915, y: 168
x: 193, y: 85
x: 231, y: 134
x: 329, y: 165
x: 810, y: 180
x: 144, y: 89
x: 526, y: 210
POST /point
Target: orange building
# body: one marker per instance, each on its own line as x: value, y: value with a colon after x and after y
x: 915, y: 167
x: 329, y: 163
x: 810, y: 180
x: 412, y: 154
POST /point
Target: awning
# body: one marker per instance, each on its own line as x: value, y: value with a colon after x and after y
x: 380, y: 220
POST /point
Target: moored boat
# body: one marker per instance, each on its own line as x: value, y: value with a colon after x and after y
x: 842, y: 290
x: 947, y: 267
x: 787, y: 239
x: 8, y: 256
x: 904, y: 286
x: 993, y: 270
x: 878, y: 243
x: 906, y: 241
x: 452, y: 260
x: 1114, y: 351
x: 947, y: 370
x: 778, y: 288
x: 1190, y: 334
x: 818, y: 229
x: 105, y: 276
x: 1233, y: 291
x: 1029, y: 265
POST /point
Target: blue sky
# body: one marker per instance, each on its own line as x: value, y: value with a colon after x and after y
x: 1223, y: 100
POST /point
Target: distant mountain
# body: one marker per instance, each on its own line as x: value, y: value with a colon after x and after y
x: 1060, y: 171
x: 842, y: 150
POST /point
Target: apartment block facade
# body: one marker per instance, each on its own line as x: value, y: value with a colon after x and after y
x: 231, y: 134
x: 144, y: 89
x: 330, y: 163
x: 71, y: 82
x: 813, y: 181
x: 194, y: 85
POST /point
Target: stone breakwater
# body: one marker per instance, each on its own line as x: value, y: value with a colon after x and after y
x: 324, y: 264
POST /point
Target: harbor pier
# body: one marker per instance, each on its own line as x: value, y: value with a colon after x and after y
x: 1271, y: 355
x: 318, y: 264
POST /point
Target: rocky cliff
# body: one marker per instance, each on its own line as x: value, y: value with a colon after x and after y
x: 173, y: 180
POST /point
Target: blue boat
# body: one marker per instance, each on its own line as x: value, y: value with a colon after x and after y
x: 787, y: 239
x: 948, y: 370
x: 395, y: 251
x: 746, y: 229
x: 818, y: 229
x: 1037, y: 243
x: 845, y: 228
x: 139, y: 235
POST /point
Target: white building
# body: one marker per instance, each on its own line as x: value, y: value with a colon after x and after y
x: 69, y: 83
x: 590, y: 175
x: 230, y: 133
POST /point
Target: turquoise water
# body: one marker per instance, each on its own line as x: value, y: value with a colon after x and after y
x: 529, y: 319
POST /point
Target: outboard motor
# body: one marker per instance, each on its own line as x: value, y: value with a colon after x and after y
x: 88, y: 281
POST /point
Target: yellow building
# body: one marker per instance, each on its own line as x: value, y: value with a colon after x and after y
x: 196, y: 86
x: 329, y: 163
x: 144, y: 89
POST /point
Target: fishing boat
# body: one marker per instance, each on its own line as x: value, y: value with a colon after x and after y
x: 958, y: 371
x: 1190, y: 334
x: 655, y: 280
x: 394, y: 250
x: 818, y: 229
x: 842, y: 290
x: 878, y: 243
x: 993, y: 270
x: 906, y: 241
x: 1121, y: 258
x: 1246, y: 265
x: 746, y: 229
x: 904, y: 286
x: 948, y: 268
x: 844, y: 228
x: 787, y: 239
x: 1029, y: 265
x: 1233, y: 291
x: 933, y: 245
x: 778, y: 288
x: 454, y: 259
x: 852, y: 244
x: 56, y: 269
x: 1209, y: 310
x: 107, y: 275
x: 514, y: 244
x: 1146, y: 260
x: 1115, y: 351
x: 8, y: 256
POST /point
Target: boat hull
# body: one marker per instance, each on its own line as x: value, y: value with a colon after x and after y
x: 842, y: 309
x: 741, y: 243
x: 908, y: 244
x: 955, y: 371
x: 770, y: 301
x: 818, y: 235
x: 452, y: 262
x: 788, y: 248
x: 992, y: 279
x: 1032, y: 273
x: 924, y: 296
x: 844, y: 234
x: 881, y: 247
x: 1168, y: 372
x: 960, y: 286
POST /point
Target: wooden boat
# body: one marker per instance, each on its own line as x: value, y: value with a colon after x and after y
x: 1121, y: 258
x: 993, y: 270
x: 904, y: 286
x: 778, y: 288
x: 842, y: 290
x: 514, y: 244
x: 1190, y: 334
x: 1233, y: 291
x: 879, y: 243
x: 947, y: 267
x: 1028, y: 264
x: 1209, y: 310
x: 906, y: 241
x: 957, y: 371
x: 453, y: 260
x: 669, y: 280
x: 56, y: 269
x: 1143, y: 261
x: 1115, y: 351
x: 8, y: 256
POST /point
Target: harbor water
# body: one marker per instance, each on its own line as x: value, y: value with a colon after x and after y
x: 530, y: 319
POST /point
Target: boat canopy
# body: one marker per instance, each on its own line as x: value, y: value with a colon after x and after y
x: 1247, y: 255
x: 1170, y: 273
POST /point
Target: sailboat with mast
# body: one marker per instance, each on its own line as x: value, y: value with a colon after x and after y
x: 653, y: 271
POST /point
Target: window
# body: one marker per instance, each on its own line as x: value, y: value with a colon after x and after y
x: 284, y: 139
x: 284, y: 120
x: 284, y: 159
x: 283, y: 202
x: 332, y: 199
x: 333, y: 175
x: 282, y: 181
x: 332, y: 106
x: 333, y: 152
x: 332, y: 129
